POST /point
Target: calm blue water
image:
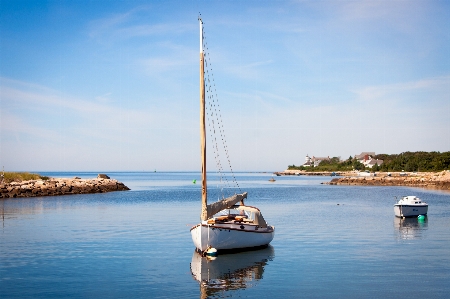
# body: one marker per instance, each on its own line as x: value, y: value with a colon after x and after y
x: 330, y: 242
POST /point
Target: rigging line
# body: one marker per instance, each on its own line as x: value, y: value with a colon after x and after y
x: 221, y: 170
x: 222, y: 132
x: 213, y: 134
x: 214, y: 141
x: 225, y: 147
x: 215, y: 148
x: 216, y: 155
x: 218, y: 115
x: 219, y: 120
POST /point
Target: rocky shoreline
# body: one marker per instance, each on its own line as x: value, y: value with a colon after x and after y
x: 438, y: 180
x: 313, y: 173
x: 435, y: 180
x: 60, y: 186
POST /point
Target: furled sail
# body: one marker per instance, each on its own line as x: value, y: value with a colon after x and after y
x: 226, y: 203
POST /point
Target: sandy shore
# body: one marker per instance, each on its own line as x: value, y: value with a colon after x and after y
x: 60, y: 186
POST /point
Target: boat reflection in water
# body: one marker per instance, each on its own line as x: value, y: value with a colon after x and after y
x: 410, y: 228
x: 229, y: 272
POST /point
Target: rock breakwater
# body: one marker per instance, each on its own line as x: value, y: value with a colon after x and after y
x: 53, y: 187
x: 439, y: 180
x: 309, y: 173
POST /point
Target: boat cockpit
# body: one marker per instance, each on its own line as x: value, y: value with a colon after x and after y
x: 239, y: 214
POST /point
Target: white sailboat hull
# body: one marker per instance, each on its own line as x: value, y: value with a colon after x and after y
x: 230, y: 236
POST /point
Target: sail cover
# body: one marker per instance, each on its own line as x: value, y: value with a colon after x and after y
x: 225, y: 204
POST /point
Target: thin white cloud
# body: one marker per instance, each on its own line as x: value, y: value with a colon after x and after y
x: 369, y: 10
x: 247, y: 71
x: 104, y: 98
x: 257, y: 64
x: 100, y: 26
x: 136, y: 22
x: 156, y: 29
x: 15, y: 127
x: 157, y: 66
x: 41, y: 101
x: 41, y: 128
x: 275, y: 98
x: 391, y: 92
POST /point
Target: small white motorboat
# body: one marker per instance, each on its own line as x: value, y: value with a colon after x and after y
x: 410, y: 206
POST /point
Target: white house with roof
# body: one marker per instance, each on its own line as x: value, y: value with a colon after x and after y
x: 308, y: 162
x: 364, y: 154
x: 314, y: 161
x: 367, y: 159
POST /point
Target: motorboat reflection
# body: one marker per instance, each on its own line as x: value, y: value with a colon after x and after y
x: 410, y: 228
x: 229, y: 272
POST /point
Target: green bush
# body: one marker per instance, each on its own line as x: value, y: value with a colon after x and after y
x: 415, y: 161
x: 407, y: 161
x: 22, y: 176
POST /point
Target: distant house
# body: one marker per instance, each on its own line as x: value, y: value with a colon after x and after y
x: 371, y: 163
x: 367, y: 159
x: 363, y: 154
x: 314, y: 161
x: 308, y: 162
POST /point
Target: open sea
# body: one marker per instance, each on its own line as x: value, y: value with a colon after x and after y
x: 330, y: 242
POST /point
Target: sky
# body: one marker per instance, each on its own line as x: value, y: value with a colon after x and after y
x: 114, y: 85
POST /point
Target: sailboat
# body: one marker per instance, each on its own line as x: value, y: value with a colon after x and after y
x: 227, y: 224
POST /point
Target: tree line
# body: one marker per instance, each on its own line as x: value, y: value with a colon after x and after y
x: 407, y: 161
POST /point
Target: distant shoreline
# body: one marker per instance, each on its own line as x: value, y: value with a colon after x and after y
x: 439, y: 180
x: 435, y: 180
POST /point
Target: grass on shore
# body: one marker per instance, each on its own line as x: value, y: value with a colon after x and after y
x: 22, y: 176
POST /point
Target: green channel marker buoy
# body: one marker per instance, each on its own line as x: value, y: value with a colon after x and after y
x: 194, y: 181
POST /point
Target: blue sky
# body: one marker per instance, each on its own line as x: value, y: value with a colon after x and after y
x: 113, y: 85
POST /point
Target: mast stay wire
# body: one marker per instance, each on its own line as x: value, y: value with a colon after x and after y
x: 214, y: 113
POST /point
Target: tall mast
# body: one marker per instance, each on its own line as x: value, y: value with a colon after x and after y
x: 204, y: 214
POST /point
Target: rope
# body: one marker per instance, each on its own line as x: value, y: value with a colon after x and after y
x: 216, y: 127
